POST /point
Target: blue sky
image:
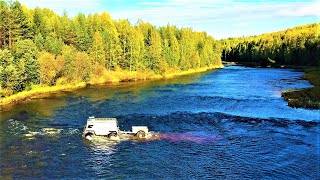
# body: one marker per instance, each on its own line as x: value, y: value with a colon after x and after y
x: 221, y: 19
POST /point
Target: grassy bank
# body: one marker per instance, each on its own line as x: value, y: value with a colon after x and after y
x: 38, y: 90
x: 307, y: 97
x: 106, y: 77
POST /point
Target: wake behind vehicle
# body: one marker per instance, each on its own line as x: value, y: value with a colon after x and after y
x: 108, y: 127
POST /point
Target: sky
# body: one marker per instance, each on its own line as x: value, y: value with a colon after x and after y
x: 220, y: 19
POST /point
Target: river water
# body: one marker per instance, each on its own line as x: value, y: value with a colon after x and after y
x: 225, y: 124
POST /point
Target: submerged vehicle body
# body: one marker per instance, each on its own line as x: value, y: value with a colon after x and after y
x: 108, y: 127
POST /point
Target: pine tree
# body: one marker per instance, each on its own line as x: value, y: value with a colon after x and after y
x: 97, y: 50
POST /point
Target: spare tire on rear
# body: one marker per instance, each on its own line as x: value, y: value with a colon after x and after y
x: 140, y: 134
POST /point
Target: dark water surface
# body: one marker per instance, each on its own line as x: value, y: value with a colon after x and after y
x: 225, y: 124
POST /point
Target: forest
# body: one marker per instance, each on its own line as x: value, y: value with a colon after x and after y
x: 296, y: 46
x: 40, y: 48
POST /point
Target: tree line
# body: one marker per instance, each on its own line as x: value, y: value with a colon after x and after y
x: 295, y: 46
x: 39, y: 47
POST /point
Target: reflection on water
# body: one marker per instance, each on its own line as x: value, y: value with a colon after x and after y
x: 123, y: 91
x: 197, y: 137
x: 41, y: 107
x: 44, y: 106
x: 102, y: 145
x: 226, y: 124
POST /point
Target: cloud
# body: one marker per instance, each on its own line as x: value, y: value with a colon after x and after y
x: 208, y: 9
x: 205, y: 15
x: 72, y: 7
x: 310, y: 9
x: 218, y: 18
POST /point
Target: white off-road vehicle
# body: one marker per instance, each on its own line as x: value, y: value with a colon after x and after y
x: 108, y: 127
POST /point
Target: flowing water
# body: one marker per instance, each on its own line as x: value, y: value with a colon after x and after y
x: 225, y: 124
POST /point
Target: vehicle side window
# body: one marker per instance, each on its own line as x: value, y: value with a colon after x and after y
x: 90, y: 126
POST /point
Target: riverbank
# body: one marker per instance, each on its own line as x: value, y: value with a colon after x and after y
x: 111, y: 77
x: 306, y: 97
x: 298, y: 98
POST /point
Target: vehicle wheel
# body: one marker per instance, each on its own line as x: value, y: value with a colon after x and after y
x: 141, y: 134
x: 113, y: 135
x: 89, y: 136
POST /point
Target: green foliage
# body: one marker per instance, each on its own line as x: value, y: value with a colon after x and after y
x: 20, y: 70
x: 82, y: 39
x: 296, y: 46
x: 82, y: 67
x: 19, y: 73
x: 9, y: 72
x: 110, y: 34
x: 131, y: 43
x: 171, y: 49
x: 53, y: 45
x: 39, y: 41
x: 25, y: 49
x: 41, y: 47
x: 26, y: 54
x: 68, y: 54
x: 4, y: 11
x: 153, y: 46
x: 97, y: 50
x: 154, y: 49
x: 14, y: 24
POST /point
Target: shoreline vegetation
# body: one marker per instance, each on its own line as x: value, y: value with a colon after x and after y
x: 116, y: 77
x: 297, y: 48
x: 41, y: 51
x: 308, y: 98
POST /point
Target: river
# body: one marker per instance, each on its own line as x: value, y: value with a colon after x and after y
x: 229, y: 123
